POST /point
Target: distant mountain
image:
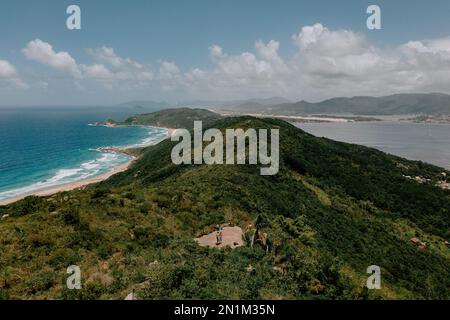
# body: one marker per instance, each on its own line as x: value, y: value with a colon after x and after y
x: 256, y: 105
x: 146, y: 104
x: 427, y: 104
x: 268, y: 101
x: 432, y: 103
x: 199, y: 103
x: 233, y: 104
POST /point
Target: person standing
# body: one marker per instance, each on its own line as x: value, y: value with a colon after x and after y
x: 217, y: 237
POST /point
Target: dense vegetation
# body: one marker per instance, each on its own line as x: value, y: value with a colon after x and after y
x: 174, y: 118
x: 333, y: 210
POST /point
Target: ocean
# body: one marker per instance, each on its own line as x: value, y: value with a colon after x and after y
x: 414, y: 141
x: 42, y: 147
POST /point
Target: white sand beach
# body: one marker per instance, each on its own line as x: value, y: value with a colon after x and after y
x: 68, y: 186
x: 76, y: 184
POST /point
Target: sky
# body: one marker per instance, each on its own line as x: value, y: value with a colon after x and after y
x: 219, y: 50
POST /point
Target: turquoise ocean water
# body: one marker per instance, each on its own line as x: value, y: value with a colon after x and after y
x: 41, y: 147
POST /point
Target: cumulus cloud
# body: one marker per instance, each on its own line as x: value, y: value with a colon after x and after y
x: 326, y: 63
x: 107, y: 55
x: 237, y: 76
x: 108, y: 68
x: 330, y: 63
x: 97, y: 71
x: 336, y: 61
x: 333, y: 53
x: 121, y: 68
x: 9, y: 78
x: 241, y: 66
x: 168, y: 70
x: 7, y: 70
x: 43, y: 52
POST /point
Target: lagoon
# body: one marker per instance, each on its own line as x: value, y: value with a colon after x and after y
x: 415, y: 141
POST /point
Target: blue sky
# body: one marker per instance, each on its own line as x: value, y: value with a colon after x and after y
x: 181, y: 33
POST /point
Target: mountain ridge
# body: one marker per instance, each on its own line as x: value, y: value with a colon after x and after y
x: 396, y: 104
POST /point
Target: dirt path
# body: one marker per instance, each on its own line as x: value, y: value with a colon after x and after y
x: 231, y: 236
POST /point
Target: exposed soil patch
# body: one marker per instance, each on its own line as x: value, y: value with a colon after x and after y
x: 231, y: 236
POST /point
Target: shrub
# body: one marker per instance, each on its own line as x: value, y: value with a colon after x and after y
x: 40, y: 282
x: 71, y: 216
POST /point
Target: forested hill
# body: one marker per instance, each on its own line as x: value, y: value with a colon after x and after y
x: 332, y: 210
x: 174, y: 118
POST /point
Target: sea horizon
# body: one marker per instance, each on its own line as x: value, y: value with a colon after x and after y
x: 42, y: 148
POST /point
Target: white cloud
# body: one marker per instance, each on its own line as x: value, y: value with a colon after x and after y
x: 97, y: 71
x: 326, y: 63
x: 337, y: 62
x: 108, y: 69
x: 7, y: 70
x: 269, y: 52
x: 106, y: 55
x: 121, y: 68
x: 329, y: 63
x: 43, y: 52
x: 9, y: 78
x: 168, y: 70
x: 318, y: 38
x: 241, y: 66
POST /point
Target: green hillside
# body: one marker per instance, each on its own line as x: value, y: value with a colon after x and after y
x: 332, y: 210
x: 174, y: 118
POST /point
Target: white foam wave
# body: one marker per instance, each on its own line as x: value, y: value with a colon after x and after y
x: 155, y: 136
x: 103, y: 163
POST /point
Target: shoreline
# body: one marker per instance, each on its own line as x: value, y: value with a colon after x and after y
x: 69, y: 185
x: 169, y: 130
x: 79, y: 183
x: 307, y: 118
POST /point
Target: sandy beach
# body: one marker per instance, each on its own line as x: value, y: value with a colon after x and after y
x: 170, y: 132
x: 68, y: 186
x: 76, y: 184
x: 292, y: 118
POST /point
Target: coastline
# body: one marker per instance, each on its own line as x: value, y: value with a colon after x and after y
x: 70, y: 185
x: 169, y: 131
x: 77, y: 184
x: 309, y: 118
